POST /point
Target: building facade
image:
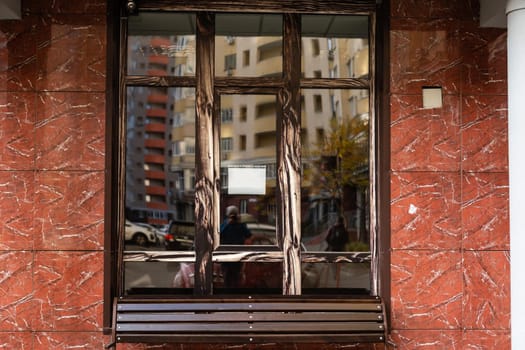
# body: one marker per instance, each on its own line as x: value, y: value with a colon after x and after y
x: 449, y: 191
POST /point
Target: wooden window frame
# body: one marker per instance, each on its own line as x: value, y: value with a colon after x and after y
x: 207, y: 173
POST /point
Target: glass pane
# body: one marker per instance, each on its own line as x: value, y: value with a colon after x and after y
x: 335, y: 46
x: 161, y: 44
x: 248, y: 168
x: 154, y: 277
x: 248, y: 45
x: 335, y: 183
x: 160, y: 163
x: 248, y: 277
x: 353, y: 276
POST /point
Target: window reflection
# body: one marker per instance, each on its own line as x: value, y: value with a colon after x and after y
x: 248, y: 157
x: 335, y: 178
x: 160, y: 163
x: 161, y: 44
x: 248, y: 45
x: 335, y: 46
x: 355, y: 277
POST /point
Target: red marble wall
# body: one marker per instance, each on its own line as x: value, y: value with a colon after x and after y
x: 449, y: 178
x: 449, y: 199
x: 52, y: 131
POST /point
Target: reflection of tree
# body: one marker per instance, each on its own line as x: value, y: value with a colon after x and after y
x: 342, y: 157
x: 340, y: 162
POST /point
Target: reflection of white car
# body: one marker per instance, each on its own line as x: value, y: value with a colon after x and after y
x: 141, y: 234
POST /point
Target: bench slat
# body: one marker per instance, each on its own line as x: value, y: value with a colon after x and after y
x: 253, y: 317
x: 245, y: 327
x: 248, y: 306
x: 259, y: 338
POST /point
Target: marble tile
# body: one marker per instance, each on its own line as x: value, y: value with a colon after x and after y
x: 16, y: 210
x: 65, y: 6
x: 484, y: 69
x: 435, y: 8
x: 17, y: 122
x: 427, y: 340
x: 486, y: 304
x: 426, y: 290
x: 16, y: 340
x: 70, y: 131
x: 486, y: 340
x: 424, y: 139
x: 69, y: 214
x: 485, y: 211
x: 18, y: 54
x: 69, y: 53
x: 424, y: 54
x: 425, y: 211
x: 68, y: 340
x: 484, y: 133
x: 16, y: 289
x: 68, y: 291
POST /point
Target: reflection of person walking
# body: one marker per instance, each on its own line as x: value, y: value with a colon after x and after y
x: 233, y: 232
x: 337, y: 236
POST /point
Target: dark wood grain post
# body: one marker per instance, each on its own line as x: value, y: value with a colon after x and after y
x: 289, y: 169
x: 204, y: 174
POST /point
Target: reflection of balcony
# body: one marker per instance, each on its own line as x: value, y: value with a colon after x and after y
x: 270, y: 66
x: 158, y: 59
x: 158, y: 98
x: 157, y: 205
x: 265, y: 124
x: 181, y: 132
x: 156, y: 112
x: 151, y: 174
x: 154, y: 143
x: 155, y: 127
x: 265, y: 152
x: 154, y: 158
x: 156, y: 72
x: 156, y: 190
x: 159, y: 41
x: 183, y: 162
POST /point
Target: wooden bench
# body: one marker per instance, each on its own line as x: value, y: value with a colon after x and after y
x: 250, y: 320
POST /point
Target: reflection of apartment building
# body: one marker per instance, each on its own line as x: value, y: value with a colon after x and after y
x: 153, y: 115
x: 248, y: 122
x: 161, y: 121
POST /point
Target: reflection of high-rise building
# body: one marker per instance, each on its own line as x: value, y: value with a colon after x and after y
x: 155, y: 114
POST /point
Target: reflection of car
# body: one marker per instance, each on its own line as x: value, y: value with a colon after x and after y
x: 179, y: 235
x: 141, y: 234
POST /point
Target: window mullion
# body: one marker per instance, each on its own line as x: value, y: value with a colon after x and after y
x: 205, y: 220
x: 289, y: 158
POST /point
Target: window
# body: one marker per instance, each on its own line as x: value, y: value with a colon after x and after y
x: 246, y: 58
x: 316, y: 51
x: 242, y: 143
x: 318, y: 103
x: 227, y: 115
x: 230, y: 62
x: 227, y: 144
x: 243, y: 113
x: 296, y: 170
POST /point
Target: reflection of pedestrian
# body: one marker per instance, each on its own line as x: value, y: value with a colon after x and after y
x: 337, y: 236
x: 233, y: 232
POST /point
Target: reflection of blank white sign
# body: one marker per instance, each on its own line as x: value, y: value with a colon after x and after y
x: 247, y: 180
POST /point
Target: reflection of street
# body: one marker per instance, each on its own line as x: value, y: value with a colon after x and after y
x: 344, y: 275
x: 149, y: 274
